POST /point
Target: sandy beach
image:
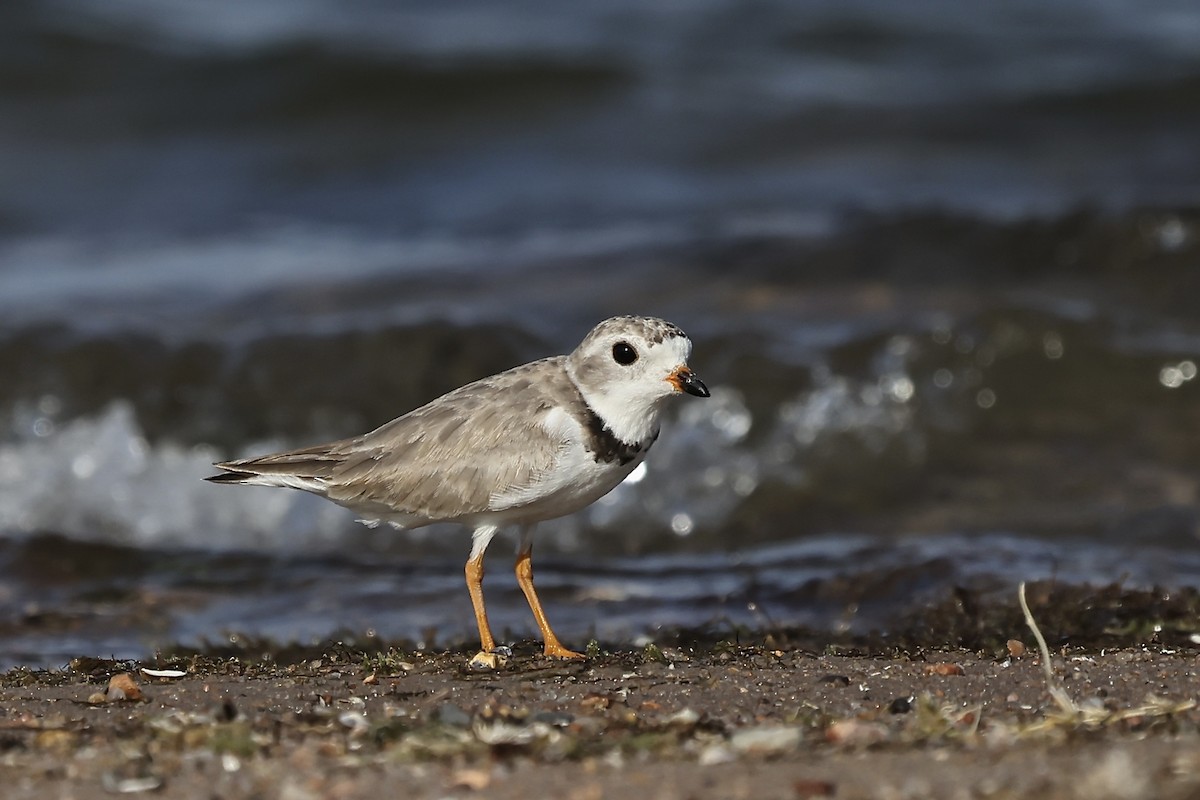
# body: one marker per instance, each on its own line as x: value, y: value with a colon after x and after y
x: 774, y: 715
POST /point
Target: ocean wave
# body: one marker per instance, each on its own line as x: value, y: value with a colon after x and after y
x: 99, y: 477
x: 845, y: 407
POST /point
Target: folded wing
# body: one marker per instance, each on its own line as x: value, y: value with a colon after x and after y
x: 439, y: 462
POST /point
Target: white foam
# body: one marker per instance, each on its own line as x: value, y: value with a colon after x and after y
x: 99, y: 479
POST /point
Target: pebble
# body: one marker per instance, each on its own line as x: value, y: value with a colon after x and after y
x: 856, y: 733
x: 943, y: 668
x: 122, y: 687
x: 716, y: 754
x: 488, y: 661
x: 766, y: 740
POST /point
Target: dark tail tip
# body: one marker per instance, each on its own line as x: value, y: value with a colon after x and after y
x: 230, y: 477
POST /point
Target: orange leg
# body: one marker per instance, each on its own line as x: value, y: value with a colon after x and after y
x: 524, y: 570
x: 475, y: 587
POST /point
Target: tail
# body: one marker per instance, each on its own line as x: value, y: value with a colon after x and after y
x: 309, y: 470
x: 233, y: 476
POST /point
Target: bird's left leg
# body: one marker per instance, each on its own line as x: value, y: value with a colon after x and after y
x: 524, y: 570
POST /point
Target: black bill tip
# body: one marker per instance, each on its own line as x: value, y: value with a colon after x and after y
x: 689, y: 383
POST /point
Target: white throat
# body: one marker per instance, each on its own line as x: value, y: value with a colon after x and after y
x: 630, y: 415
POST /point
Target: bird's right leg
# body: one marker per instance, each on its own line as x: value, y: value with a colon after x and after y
x: 474, y: 573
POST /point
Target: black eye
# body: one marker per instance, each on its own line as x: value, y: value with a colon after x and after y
x: 624, y: 354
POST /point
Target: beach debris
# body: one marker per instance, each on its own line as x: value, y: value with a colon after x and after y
x: 684, y: 719
x: 386, y: 662
x: 597, y: 701
x: 496, y: 659
x: 504, y: 726
x: 486, y: 661
x: 356, y: 721
x: 87, y: 665
x: 839, y: 680
x: 1065, y: 703
x: 767, y: 740
x: 163, y: 673
x: 653, y: 654
x: 474, y: 779
x: 856, y: 733
x: 504, y: 732
x: 558, y: 719
x: 121, y: 687
x: 716, y: 754
x: 56, y: 740
x: 148, y: 783
x: 943, y: 668
x: 936, y: 721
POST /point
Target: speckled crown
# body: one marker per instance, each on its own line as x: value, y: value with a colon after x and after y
x: 652, y: 329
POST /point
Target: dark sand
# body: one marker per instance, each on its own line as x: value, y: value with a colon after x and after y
x: 780, y: 717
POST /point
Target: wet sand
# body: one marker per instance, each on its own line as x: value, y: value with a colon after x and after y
x: 762, y: 715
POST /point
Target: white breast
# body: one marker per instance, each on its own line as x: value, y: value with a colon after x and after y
x: 576, y: 480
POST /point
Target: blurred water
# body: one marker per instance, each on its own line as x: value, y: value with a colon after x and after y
x: 70, y: 598
x: 153, y: 149
x: 939, y: 263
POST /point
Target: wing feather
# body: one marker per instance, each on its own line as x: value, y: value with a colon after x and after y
x: 444, y: 460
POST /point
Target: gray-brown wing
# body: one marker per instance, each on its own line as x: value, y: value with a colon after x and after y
x: 443, y: 460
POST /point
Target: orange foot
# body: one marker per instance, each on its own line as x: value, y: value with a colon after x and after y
x: 556, y: 650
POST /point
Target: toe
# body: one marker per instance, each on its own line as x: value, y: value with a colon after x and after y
x: 556, y: 650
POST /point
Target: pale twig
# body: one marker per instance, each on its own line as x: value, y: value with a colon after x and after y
x: 1056, y: 690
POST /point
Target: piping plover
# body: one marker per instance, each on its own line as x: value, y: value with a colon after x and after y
x: 536, y: 442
